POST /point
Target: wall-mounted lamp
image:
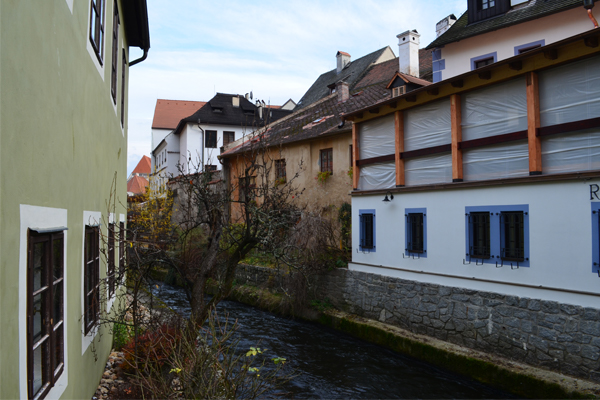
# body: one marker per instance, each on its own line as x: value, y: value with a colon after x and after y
x: 386, y: 197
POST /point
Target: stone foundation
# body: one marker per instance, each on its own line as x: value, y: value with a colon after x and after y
x: 560, y: 337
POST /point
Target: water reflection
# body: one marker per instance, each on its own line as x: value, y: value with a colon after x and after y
x: 335, y: 365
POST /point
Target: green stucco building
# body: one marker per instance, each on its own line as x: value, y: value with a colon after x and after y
x: 64, y: 71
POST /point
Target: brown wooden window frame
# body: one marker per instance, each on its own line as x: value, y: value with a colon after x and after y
x: 123, y: 73
x: 97, y: 11
x: 115, y: 53
x: 210, y: 139
x: 326, y: 160
x: 51, y: 292
x: 228, y: 137
x: 280, y: 169
x: 110, y: 273
x: 91, y: 278
x: 122, y: 236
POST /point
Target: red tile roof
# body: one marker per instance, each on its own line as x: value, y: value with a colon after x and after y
x: 343, y: 53
x: 168, y: 113
x: 144, y: 166
x: 137, y: 185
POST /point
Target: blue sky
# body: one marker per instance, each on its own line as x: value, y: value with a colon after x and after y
x: 276, y: 49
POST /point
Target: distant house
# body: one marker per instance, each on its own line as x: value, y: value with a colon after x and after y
x: 313, y: 140
x: 69, y: 61
x: 197, y: 140
x: 484, y: 189
x: 494, y: 30
x: 143, y: 168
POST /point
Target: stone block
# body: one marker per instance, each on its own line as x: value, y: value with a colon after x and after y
x: 512, y: 301
x: 505, y: 311
x: 556, y: 319
x: 437, y: 324
x: 460, y: 297
x: 534, y: 305
x: 449, y: 325
x: 591, y: 314
x: 527, y: 326
x: 590, y: 327
x: 460, y: 311
x: 512, y: 322
x: 521, y: 314
x: 445, y: 318
x: 546, y: 334
x: 563, y: 337
x: 556, y: 354
x: 459, y: 326
x: 444, y: 291
x: 479, y: 324
x: 476, y: 300
x: 483, y: 313
x: 570, y: 309
x: 497, y: 318
x: 538, y: 343
x: 573, y: 348
x: 492, y: 302
x: 590, y: 352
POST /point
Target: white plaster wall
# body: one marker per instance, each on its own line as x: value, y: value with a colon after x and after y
x: 191, y: 143
x: 552, y: 28
x: 560, y: 234
x: 158, y: 135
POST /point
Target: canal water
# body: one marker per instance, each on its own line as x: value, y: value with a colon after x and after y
x: 333, y: 365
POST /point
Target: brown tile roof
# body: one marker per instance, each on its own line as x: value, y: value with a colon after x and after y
x: 144, y: 166
x: 137, y: 185
x: 384, y: 71
x: 168, y: 113
x: 317, y: 120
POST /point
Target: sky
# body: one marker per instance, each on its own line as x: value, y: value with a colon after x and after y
x: 276, y: 49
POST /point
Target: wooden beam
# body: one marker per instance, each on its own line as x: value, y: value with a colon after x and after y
x: 533, y: 123
x: 551, y: 54
x: 569, y: 127
x: 485, y: 75
x: 376, y: 160
x: 456, y: 119
x: 516, y: 65
x: 490, y: 140
x: 355, y: 156
x: 591, y: 41
x: 399, y: 127
x: 427, y: 151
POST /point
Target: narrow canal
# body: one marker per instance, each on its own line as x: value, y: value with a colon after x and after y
x: 334, y: 365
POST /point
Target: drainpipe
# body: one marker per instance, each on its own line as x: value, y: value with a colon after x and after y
x: 588, y: 5
x: 202, y: 144
x: 139, y: 60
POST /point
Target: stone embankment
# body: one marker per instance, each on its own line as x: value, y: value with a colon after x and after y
x: 498, y: 339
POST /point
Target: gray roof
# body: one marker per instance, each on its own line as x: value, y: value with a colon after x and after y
x: 350, y: 74
x: 536, y: 9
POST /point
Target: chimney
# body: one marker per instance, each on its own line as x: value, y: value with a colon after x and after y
x: 408, y: 52
x: 343, y: 59
x: 444, y: 25
x: 343, y: 91
x: 235, y: 101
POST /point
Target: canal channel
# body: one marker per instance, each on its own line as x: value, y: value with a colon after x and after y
x: 331, y: 364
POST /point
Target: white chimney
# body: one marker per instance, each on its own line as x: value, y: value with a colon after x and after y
x: 343, y: 91
x: 444, y: 25
x: 343, y: 59
x: 235, y: 101
x: 408, y: 52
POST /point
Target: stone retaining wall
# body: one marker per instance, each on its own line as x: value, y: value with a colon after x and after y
x: 560, y: 337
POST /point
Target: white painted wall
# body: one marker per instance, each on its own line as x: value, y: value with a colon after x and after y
x: 551, y: 29
x: 191, y: 141
x: 560, y: 234
x: 158, y: 135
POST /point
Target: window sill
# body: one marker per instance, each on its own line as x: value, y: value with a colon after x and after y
x: 571, y: 176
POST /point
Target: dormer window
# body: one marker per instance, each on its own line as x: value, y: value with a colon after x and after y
x: 480, y: 10
x: 398, y: 91
x: 485, y: 4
